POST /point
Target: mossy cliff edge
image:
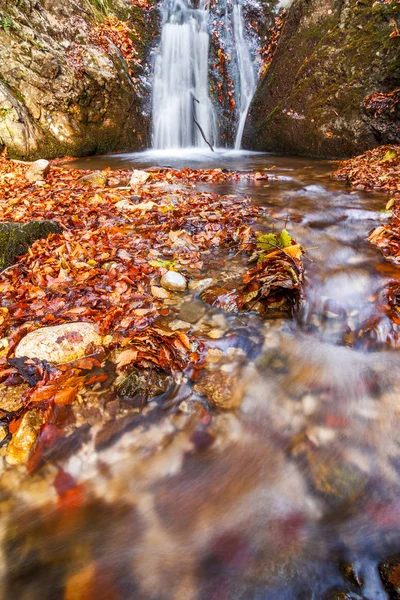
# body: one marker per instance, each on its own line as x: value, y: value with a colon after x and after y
x: 315, y: 98
x: 67, y: 87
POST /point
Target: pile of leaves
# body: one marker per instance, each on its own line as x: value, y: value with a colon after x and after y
x: 376, y: 169
x: 105, y: 268
x: 273, y: 286
x: 380, y: 103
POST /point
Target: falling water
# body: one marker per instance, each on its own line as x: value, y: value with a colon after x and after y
x: 180, y: 95
x: 247, y: 78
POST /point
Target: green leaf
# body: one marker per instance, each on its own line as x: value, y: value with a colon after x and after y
x: 389, y: 155
x: 272, y: 241
x: 166, y: 264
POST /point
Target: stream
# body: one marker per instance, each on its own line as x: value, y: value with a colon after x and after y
x: 291, y: 496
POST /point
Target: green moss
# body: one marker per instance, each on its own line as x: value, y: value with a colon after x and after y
x: 15, y: 238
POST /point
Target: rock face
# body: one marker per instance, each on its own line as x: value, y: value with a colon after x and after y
x: 15, y: 238
x: 71, y: 76
x: 60, y: 343
x: 331, y: 88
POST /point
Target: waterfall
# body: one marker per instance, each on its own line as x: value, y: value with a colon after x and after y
x: 183, y: 114
x: 247, y: 78
x: 180, y: 93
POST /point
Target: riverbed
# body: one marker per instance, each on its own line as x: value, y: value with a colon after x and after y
x: 290, y: 495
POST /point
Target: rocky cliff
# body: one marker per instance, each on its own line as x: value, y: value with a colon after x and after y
x: 332, y: 87
x: 72, y: 76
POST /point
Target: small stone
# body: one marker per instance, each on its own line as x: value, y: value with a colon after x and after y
x: 177, y: 324
x: 138, y: 178
x: 199, y: 285
x: 95, y: 179
x: 192, y: 311
x: 24, y: 439
x: 223, y: 390
x: 60, y: 343
x: 216, y: 334
x: 310, y: 404
x: 38, y: 171
x: 173, y: 281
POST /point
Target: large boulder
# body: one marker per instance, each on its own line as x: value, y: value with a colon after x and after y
x: 330, y: 89
x: 15, y: 238
x: 72, y: 76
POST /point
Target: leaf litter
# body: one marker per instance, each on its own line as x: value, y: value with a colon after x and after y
x: 105, y: 268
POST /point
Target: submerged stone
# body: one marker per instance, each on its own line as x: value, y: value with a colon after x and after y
x: 60, y: 343
x: 24, y: 439
x: 143, y: 385
x: 15, y: 238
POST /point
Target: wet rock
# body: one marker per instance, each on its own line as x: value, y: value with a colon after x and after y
x: 178, y: 324
x: 336, y: 479
x: 199, y: 285
x: 15, y: 238
x: 138, y: 178
x: 141, y: 385
x: 352, y: 575
x: 341, y: 594
x: 38, y: 171
x: 95, y: 179
x: 60, y: 343
x: 11, y: 397
x: 389, y: 571
x: 24, y: 439
x: 173, y: 281
x: 193, y: 311
x: 221, y: 389
x: 299, y: 108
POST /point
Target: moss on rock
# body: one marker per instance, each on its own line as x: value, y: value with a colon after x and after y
x: 15, y: 238
x: 331, y: 56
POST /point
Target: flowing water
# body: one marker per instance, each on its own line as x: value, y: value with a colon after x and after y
x: 301, y: 480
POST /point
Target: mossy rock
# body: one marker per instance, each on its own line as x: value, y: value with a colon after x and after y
x: 15, y: 238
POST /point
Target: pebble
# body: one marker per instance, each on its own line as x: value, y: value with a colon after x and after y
x: 60, y: 343
x: 24, y: 439
x: 199, y: 285
x: 138, y: 178
x: 216, y: 334
x: 174, y: 281
x: 310, y: 404
x: 38, y: 171
x: 177, y: 324
x: 96, y: 179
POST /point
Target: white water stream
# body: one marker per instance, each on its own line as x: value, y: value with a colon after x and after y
x: 183, y: 114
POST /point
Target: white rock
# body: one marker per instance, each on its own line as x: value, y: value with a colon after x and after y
x: 138, y: 178
x: 38, y: 170
x: 60, y: 343
x: 173, y: 281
